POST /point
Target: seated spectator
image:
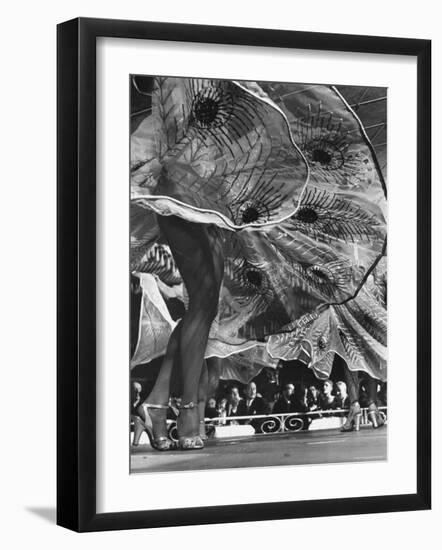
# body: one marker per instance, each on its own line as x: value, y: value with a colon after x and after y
x: 382, y: 394
x: 363, y: 396
x: 233, y: 404
x: 342, y: 399
x: 174, y: 408
x: 136, y: 389
x: 285, y: 403
x: 300, y: 399
x: 327, y: 400
x: 138, y: 423
x: 313, y: 398
x: 270, y: 399
x: 251, y: 405
x: 222, y: 411
x: 301, y: 405
x: 211, y: 410
x: 270, y: 387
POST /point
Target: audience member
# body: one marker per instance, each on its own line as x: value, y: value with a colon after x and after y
x: 285, y: 403
x: 313, y: 398
x: 270, y: 400
x: 233, y: 404
x: 136, y: 389
x: 291, y: 400
x: 300, y: 400
x: 270, y: 386
x: 382, y: 394
x: 222, y: 411
x: 342, y: 398
x: 301, y: 405
x: 327, y: 399
x: 135, y: 402
x: 253, y: 404
x: 174, y: 408
x: 211, y: 410
x: 363, y: 396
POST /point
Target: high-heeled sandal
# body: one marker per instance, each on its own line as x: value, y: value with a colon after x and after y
x: 375, y: 416
x: 161, y: 443
x: 139, y: 421
x: 192, y: 443
x: 353, y: 421
x: 203, y: 433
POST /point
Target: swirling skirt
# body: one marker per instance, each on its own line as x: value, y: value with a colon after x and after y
x: 290, y: 177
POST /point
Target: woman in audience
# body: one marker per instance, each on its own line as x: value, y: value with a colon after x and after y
x: 342, y: 398
x: 327, y: 400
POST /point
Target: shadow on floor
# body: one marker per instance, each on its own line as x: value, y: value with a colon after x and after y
x: 46, y: 513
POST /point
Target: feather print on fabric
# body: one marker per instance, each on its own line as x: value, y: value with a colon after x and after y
x: 290, y: 178
x: 214, y: 152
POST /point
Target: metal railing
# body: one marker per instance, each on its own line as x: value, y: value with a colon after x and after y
x: 266, y: 424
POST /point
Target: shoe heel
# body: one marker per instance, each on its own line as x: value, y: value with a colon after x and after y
x: 160, y: 443
x: 357, y: 422
x: 372, y: 416
x: 150, y: 436
x: 347, y: 426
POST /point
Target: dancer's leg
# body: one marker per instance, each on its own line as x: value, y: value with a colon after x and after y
x: 202, y: 398
x: 214, y: 373
x: 160, y: 392
x: 352, y: 381
x: 136, y: 297
x: 159, y: 396
x: 198, y: 254
x: 372, y: 389
x: 374, y: 415
x: 213, y: 369
x: 354, y: 414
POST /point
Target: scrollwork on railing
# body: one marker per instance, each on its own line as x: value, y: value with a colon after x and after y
x: 271, y: 425
x: 293, y: 423
x: 172, y: 430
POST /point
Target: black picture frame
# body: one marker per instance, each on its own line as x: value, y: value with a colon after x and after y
x: 76, y: 273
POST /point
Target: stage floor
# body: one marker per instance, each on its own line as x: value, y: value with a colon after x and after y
x: 315, y: 447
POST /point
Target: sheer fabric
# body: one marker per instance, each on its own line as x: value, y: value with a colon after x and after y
x: 290, y: 178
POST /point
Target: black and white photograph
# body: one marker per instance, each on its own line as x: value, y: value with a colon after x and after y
x: 258, y: 274
x: 220, y: 274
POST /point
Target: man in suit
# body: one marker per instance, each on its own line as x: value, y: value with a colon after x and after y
x: 252, y: 404
x: 285, y: 403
